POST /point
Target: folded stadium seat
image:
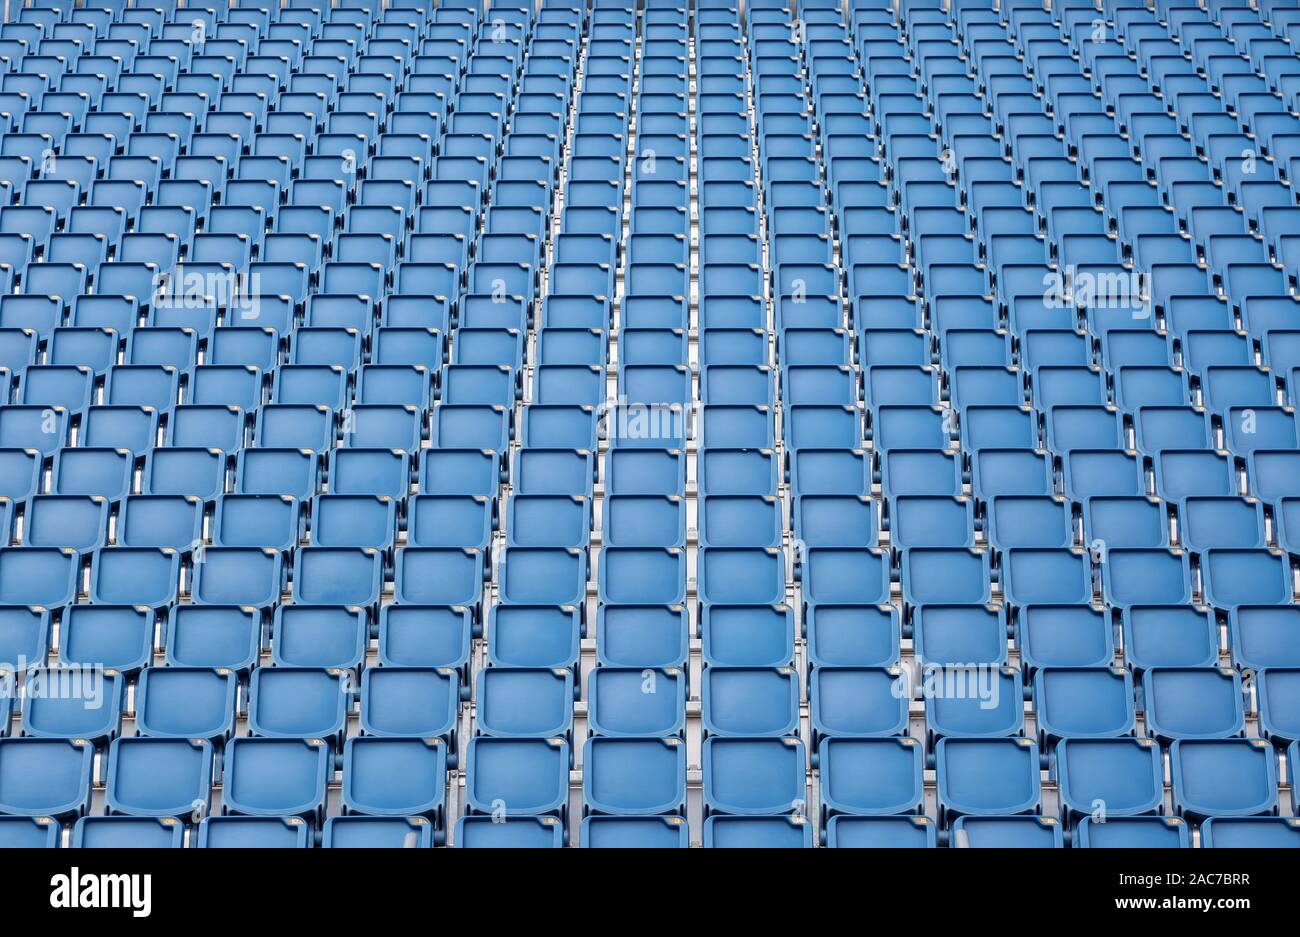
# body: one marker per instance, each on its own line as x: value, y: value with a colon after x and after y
x: 77, y: 522
x: 973, y: 702
x: 846, y: 576
x: 631, y: 776
x: 475, y: 832
x: 1195, y: 703
x: 442, y: 471
x: 987, y: 777
x: 547, y: 521
x: 754, y: 776
x: 1223, y: 777
x: 1006, y: 833
x: 914, y: 520
x: 45, y: 777
x: 364, y: 832
x: 1263, y: 636
x: 517, y: 777
x: 469, y: 426
x: 857, y: 702
x: 645, y: 472
x: 270, y: 521
x: 82, y: 471
x: 292, y: 472
x: 1169, y: 636
x: 182, y: 702
x: 356, y: 521
x: 959, y: 635
x: 651, y: 636
x: 438, y: 576
x: 448, y: 520
x: 1030, y: 521
x: 553, y: 471
x: 737, y: 471
x: 636, y: 702
x: 871, y: 777
x: 921, y: 472
x: 525, y: 703
x: 39, y: 576
x: 411, y: 701
x: 844, y: 831
x: 637, y: 575
x: 1243, y: 577
x: 1133, y: 833
x: 807, y: 426
x: 1249, y: 429
x: 238, y: 576
x: 420, y: 636
x: 1090, y: 473
x: 945, y: 576
x: 1083, y: 427
x: 152, y: 777
x: 1124, y: 776
x: 21, y: 428
x: 144, y: 576
x: 276, y: 777
x: 1046, y: 577
x: 1146, y: 577
x: 297, y: 702
x: 1008, y: 472
x: 741, y: 521
x: 391, y: 777
x: 650, y: 520
x: 750, y: 702
x: 252, y: 832
x: 1250, y: 833
x: 72, y: 703
x: 1279, y: 703
x: 128, y: 833
x: 753, y: 832
x: 737, y: 576
x: 815, y: 472
x: 634, y: 832
x: 1125, y: 522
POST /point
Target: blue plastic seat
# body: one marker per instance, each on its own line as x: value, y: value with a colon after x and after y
x: 1223, y: 777
x: 749, y: 777
x: 438, y: 576
x: 1250, y: 833
x: 480, y: 832
x: 517, y: 777
x: 252, y: 832
x: 1246, y: 577
x: 653, y: 636
x: 754, y: 832
x: 629, y: 702
x: 1195, y: 703
x: 45, y: 777
x: 1133, y: 833
x: 159, y: 777
x: 238, y: 576
x: 1046, y: 577
x: 1023, y: 832
x: 365, y: 832
x: 987, y: 777
x: 871, y: 777
x: 634, y: 832
x: 273, y: 777
x: 127, y: 833
x: 423, y: 636
x: 184, y: 702
x: 70, y: 702
x: 634, y: 777
x: 523, y: 702
x: 945, y: 576
x: 395, y: 777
